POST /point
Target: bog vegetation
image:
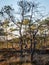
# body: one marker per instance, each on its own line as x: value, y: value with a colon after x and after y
x: 24, y: 29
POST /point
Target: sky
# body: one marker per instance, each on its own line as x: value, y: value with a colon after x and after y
x: 13, y: 3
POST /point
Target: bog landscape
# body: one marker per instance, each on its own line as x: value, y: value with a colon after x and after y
x: 24, y: 33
